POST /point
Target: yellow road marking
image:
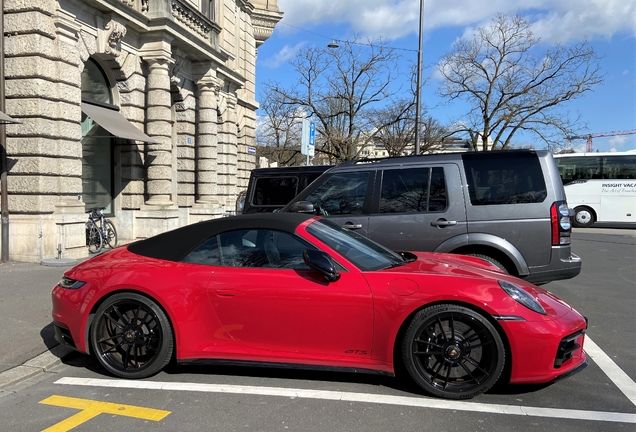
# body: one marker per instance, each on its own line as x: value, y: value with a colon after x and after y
x: 90, y: 408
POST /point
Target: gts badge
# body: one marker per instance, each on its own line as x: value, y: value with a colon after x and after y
x: 359, y: 352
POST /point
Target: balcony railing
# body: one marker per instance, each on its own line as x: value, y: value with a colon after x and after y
x: 199, y: 22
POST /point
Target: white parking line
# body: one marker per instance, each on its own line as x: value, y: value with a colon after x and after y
x: 611, y: 369
x: 420, y: 402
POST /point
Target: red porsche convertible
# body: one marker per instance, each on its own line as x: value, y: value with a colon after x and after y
x: 294, y: 289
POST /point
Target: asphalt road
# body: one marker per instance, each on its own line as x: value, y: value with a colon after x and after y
x: 250, y: 399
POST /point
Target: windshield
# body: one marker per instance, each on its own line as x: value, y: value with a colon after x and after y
x: 365, y: 254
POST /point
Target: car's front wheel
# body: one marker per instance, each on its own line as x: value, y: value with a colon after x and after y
x: 453, y: 352
x: 131, y: 336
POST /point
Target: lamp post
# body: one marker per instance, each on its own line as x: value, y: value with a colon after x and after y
x: 418, y: 99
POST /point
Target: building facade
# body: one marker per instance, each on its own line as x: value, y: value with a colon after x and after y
x: 143, y: 107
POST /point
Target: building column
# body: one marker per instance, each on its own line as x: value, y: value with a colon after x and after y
x: 227, y: 152
x: 159, y: 159
x: 207, y: 141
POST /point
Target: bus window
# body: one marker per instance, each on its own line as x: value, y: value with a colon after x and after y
x: 578, y: 168
x: 619, y: 167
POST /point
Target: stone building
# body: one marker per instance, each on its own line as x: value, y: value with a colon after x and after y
x: 143, y: 107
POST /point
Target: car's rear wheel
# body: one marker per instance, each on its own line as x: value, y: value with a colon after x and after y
x: 131, y: 336
x: 491, y: 260
x: 453, y: 352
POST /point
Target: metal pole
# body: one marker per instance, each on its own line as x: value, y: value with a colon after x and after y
x: 418, y: 102
x: 4, y: 201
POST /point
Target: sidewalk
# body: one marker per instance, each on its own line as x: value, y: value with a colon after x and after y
x: 26, y: 328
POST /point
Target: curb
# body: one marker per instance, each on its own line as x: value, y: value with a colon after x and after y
x: 36, y: 365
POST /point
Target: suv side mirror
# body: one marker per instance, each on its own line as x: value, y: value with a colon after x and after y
x: 240, y: 202
x: 302, y: 207
x: 321, y: 262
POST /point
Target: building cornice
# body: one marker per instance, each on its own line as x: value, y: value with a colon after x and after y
x: 264, y: 21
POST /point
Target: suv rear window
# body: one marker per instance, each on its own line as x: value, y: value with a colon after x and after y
x: 274, y: 191
x: 505, y: 178
x: 413, y: 190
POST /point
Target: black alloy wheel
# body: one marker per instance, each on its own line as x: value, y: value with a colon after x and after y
x: 131, y: 336
x: 453, y: 352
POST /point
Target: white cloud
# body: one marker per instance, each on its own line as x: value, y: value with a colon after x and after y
x: 283, y: 56
x: 553, y: 20
x: 617, y: 141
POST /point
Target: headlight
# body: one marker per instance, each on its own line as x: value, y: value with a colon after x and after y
x: 70, y: 283
x: 522, y: 296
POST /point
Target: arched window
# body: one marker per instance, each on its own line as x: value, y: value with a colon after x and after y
x: 97, y: 143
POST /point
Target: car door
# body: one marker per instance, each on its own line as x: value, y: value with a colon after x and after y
x: 345, y: 198
x: 266, y: 298
x: 418, y: 208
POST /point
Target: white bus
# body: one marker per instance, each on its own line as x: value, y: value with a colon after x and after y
x: 601, y: 187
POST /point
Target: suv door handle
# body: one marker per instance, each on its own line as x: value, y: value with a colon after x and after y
x: 352, y: 226
x: 443, y: 223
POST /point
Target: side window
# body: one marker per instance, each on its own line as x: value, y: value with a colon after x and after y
x: 206, y: 253
x: 619, y: 167
x: 274, y: 191
x: 260, y: 248
x: 437, y: 200
x: 578, y: 168
x: 342, y: 193
x: 413, y: 190
x: 513, y: 178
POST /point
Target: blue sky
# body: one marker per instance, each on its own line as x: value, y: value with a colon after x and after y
x: 609, y: 25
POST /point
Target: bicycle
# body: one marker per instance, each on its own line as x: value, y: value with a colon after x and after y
x: 99, y: 231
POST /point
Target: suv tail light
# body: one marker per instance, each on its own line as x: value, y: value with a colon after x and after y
x: 561, y: 226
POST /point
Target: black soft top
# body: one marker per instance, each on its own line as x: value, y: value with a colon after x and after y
x: 174, y: 245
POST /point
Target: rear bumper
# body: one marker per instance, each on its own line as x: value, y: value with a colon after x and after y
x: 564, y: 265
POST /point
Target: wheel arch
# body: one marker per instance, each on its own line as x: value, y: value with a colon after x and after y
x: 398, y: 361
x: 98, y: 303
x: 487, y: 244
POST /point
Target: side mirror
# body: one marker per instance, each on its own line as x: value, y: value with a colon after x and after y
x: 302, y: 207
x: 321, y: 262
x: 240, y: 202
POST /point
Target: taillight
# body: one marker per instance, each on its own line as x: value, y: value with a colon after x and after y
x: 561, y: 226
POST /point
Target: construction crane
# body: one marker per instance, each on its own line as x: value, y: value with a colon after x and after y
x: 589, y: 137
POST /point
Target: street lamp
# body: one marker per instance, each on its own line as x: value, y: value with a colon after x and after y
x: 418, y: 99
x: 418, y: 102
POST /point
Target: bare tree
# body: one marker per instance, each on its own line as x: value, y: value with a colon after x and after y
x: 278, y: 134
x: 337, y: 88
x: 513, y: 86
x: 394, y: 126
x: 432, y: 133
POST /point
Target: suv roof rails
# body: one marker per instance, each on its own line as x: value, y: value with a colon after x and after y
x: 390, y: 159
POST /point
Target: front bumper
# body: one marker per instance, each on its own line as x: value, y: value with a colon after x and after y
x: 67, y: 311
x: 546, y: 351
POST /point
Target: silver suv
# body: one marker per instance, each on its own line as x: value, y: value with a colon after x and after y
x: 507, y: 207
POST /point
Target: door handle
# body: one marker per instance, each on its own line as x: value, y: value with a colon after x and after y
x: 443, y: 223
x: 225, y: 293
x: 352, y: 226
